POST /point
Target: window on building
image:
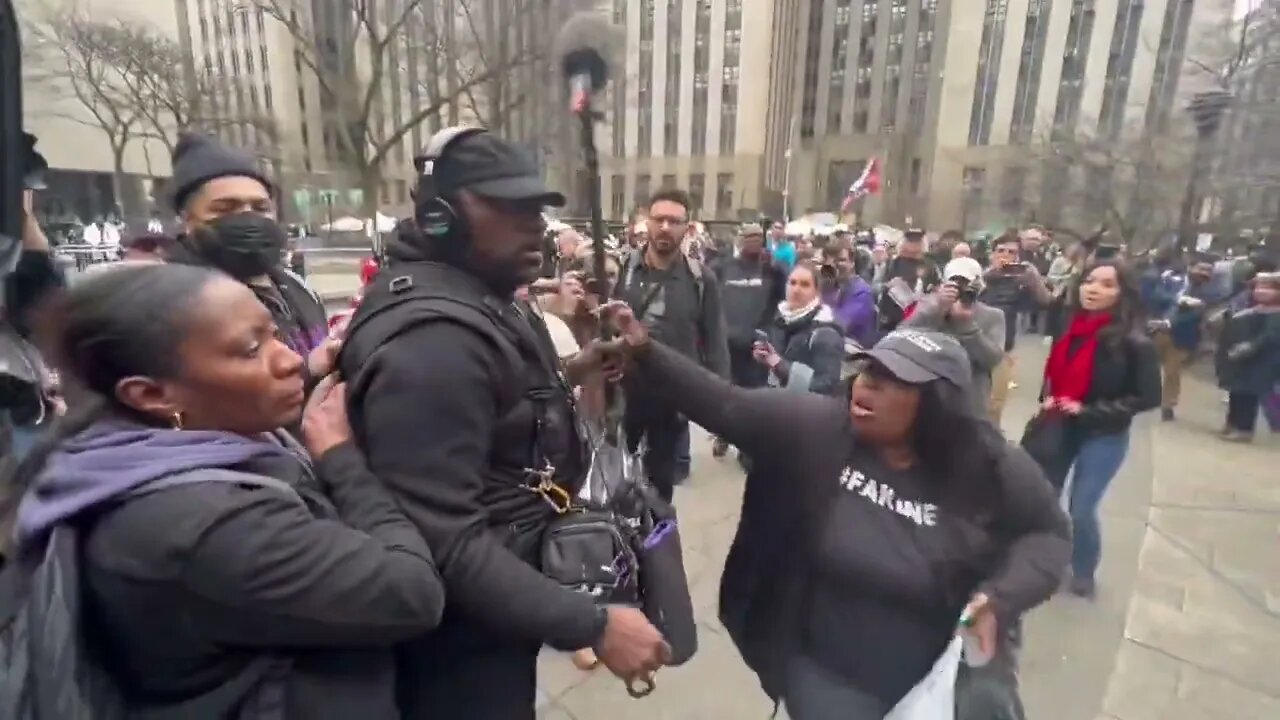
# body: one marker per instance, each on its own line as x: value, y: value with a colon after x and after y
x: 643, y: 190
x: 1115, y: 88
x: 671, y: 126
x: 668, y: 182
x: 984, y: 91
x: 1169, y: 59
x: 1013, y: 191
x: 618, y: 195
x: 1030, y: 67
x: 619, y: 118
x: 724, y: 193
x: 974, y: 186
x: 697, y: 190
x: 1075, y: 57
x: 809, y: 96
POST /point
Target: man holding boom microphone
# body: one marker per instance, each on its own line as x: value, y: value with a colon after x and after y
x: 453, y: 398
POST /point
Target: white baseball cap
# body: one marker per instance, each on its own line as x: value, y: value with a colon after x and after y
x: 963, y: 267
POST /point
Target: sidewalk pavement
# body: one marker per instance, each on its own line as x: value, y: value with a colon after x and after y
x: 1203, y: 629
x: 335, y: 287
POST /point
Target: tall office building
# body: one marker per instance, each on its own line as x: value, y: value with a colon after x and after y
x: 699, y: 103
x: 745, y: 101
x: 953, y: 101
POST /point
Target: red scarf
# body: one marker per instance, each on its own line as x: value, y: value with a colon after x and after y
x: 1069, y: 374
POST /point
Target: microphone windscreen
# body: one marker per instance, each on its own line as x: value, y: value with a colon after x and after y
x: 589, y: 44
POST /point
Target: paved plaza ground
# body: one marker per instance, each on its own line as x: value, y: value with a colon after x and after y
x: 1186, y: 625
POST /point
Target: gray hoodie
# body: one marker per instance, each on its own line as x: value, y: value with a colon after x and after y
x: 982, y: 337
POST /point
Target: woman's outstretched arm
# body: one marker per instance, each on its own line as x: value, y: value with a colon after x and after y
x: 756, y: 421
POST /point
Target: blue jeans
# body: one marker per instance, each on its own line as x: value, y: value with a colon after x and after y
x: 1096, y: 463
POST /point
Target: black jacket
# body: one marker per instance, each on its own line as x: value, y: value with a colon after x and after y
x: 239, y: 571
x: 1126, y: 381
x: 799, y: 443
x: 680, y: 306
x: 432, y: 411
x: 1257, y: 369
x: 812, y: 350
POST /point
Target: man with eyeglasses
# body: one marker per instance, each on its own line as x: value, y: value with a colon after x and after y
x: 678, y: 300
x: 1012, y: 286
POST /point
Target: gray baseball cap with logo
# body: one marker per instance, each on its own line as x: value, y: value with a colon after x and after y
x: 917, y: 357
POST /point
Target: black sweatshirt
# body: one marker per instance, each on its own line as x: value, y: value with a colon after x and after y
x: 426, y: 422
x: 917, y: 562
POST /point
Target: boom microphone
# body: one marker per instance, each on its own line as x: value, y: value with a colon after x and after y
x: 586, y: 46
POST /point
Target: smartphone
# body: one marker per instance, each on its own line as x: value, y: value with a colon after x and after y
x: 762, y: 337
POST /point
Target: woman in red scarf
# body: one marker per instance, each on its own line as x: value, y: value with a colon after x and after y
x: 1101, y: 372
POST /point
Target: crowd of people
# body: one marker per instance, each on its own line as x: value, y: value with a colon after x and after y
x: 267, y: 515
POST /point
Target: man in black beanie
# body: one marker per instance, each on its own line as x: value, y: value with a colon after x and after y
x: 229, y: 222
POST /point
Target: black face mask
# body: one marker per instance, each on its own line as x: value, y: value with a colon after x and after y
x: 245, y: 245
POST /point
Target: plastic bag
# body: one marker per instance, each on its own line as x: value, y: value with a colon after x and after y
x: 612, y: 467
x: 934, y: 697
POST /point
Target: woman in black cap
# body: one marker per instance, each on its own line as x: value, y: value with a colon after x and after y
x: 870, y: 522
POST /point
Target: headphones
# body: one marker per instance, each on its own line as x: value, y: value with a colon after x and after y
x: 435, y: 216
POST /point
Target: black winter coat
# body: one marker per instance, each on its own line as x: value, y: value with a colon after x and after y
x: 189, y: 584
x: 812, y: 350
x: 1256, y: 370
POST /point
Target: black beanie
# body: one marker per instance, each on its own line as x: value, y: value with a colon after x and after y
x: 197, y: 159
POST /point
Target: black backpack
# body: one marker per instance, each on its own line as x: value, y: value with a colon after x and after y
x: 50, y: 668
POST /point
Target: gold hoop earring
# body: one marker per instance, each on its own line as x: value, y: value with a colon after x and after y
x: 177, y: 420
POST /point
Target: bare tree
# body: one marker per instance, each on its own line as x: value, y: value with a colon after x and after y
x: 384, y: 68
x: 85, y: 58
x: 1131, y: 183
x: 1242, y: 57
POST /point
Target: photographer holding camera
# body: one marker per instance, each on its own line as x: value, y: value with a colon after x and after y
x: 1012, y: 286
x: 954, y: 309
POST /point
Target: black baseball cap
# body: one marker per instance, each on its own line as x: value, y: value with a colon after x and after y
x: 917, y: 357
x: 494, y: 168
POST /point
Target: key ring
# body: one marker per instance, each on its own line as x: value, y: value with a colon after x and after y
x: 638, y: 693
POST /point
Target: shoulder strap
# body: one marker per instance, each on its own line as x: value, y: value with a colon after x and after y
x: 205, y: 475
x: 302, y: 283
x: 389, y: 312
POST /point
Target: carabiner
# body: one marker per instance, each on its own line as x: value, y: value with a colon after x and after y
x: 556, y: 496
x: 638, y: 693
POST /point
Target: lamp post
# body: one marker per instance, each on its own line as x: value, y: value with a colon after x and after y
x: 1206, y: 110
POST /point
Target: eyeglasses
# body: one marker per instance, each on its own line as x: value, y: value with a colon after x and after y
x: 663, y: 220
